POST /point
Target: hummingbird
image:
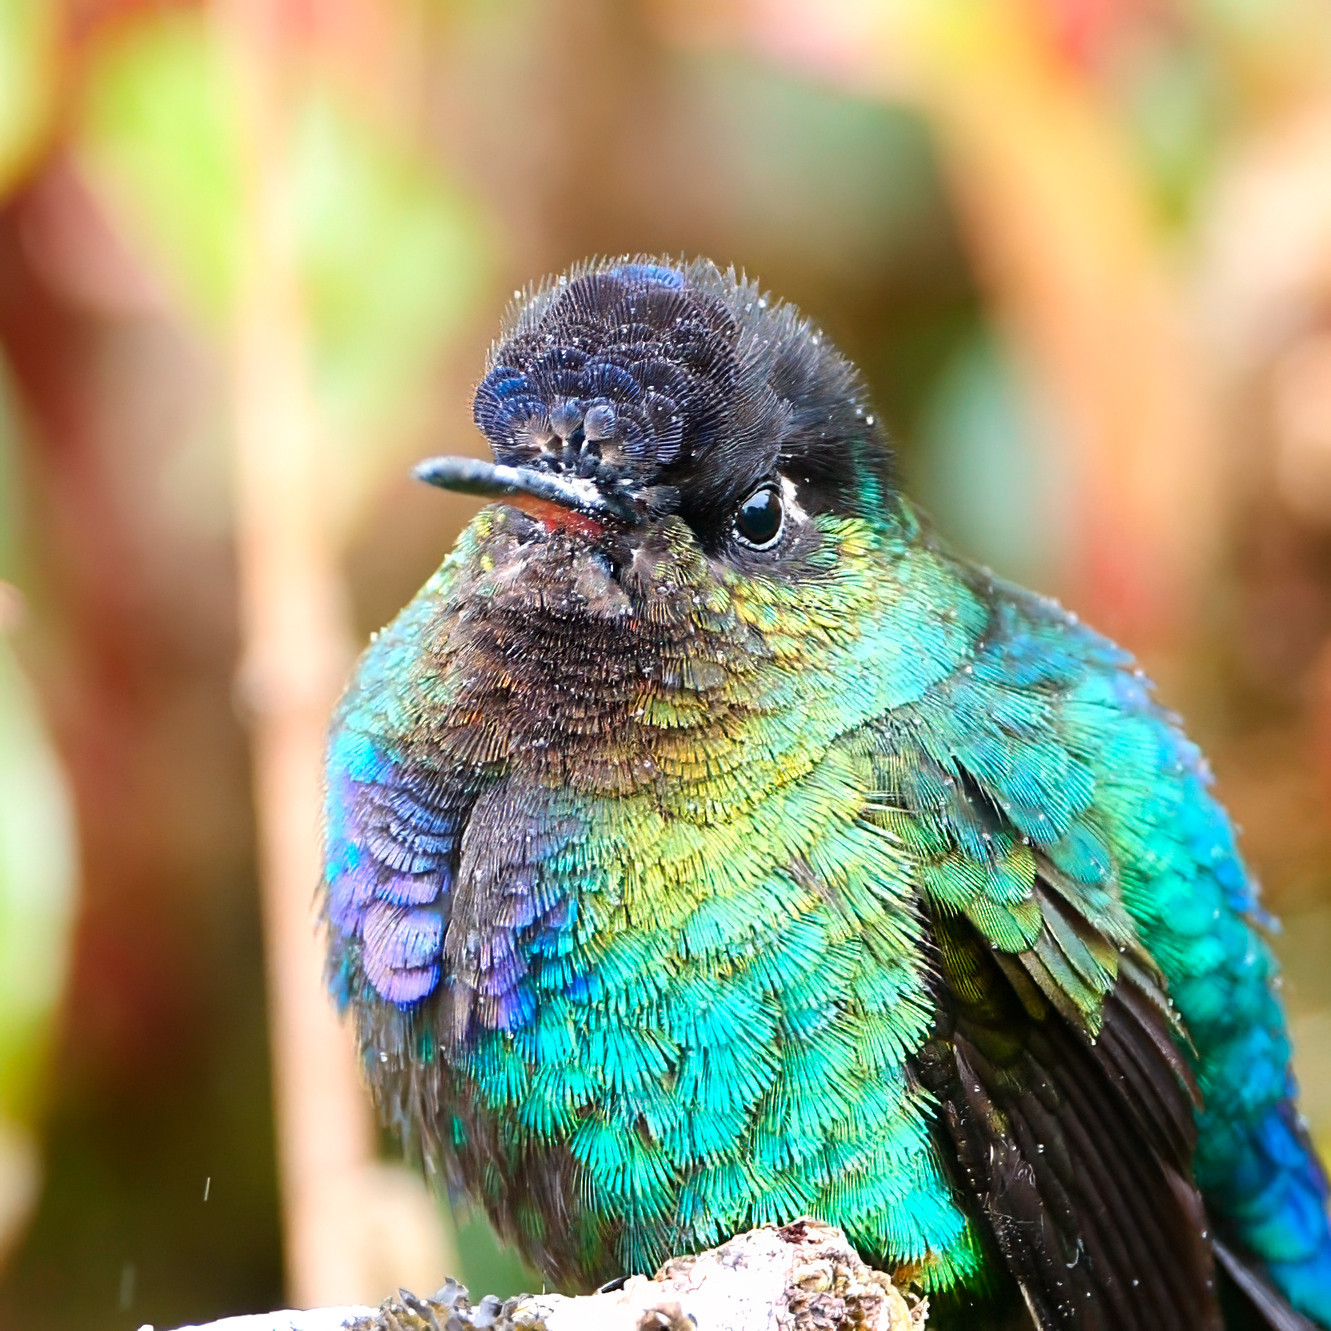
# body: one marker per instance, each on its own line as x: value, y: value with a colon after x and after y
x: 708, y: 845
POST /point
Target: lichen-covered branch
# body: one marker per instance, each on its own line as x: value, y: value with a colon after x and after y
x: 800, y: 1277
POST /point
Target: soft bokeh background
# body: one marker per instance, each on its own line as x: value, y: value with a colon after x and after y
x: 251, y: 255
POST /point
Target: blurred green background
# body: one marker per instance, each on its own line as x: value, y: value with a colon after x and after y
x: 251, y: 256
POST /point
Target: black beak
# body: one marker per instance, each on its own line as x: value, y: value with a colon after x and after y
x: 495, y: 481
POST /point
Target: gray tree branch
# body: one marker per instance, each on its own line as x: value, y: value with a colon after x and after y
x: 800, y: 1277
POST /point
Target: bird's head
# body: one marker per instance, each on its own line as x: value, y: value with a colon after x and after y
x: 636, y: 406
x: 695, y: 524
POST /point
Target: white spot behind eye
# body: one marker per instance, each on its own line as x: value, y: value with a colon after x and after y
x: 791, y: 503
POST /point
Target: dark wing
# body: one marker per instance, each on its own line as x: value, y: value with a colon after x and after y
x: 1076, y: 1149
x: 1065, y: 1100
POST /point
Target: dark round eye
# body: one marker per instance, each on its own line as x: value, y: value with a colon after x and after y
x: 760, y: 517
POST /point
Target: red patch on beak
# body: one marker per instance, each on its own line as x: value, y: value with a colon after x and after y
x: 555, y: 517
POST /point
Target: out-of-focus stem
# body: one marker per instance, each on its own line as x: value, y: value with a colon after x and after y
x: 296, y: 638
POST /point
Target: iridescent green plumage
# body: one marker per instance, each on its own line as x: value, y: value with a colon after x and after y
x: 681, y: 882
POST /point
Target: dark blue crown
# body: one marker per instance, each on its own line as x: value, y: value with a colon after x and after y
x: 622, y: 365
x: 673, y: 389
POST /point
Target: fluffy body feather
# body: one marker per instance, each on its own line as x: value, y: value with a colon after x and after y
x: 677, y: 886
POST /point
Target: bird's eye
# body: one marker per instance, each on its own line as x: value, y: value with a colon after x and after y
x: 760, y: 518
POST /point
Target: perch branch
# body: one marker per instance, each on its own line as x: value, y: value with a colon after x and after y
x: 800, y: 1277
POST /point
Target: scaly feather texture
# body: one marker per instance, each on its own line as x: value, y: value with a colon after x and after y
x: 681, y: 879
